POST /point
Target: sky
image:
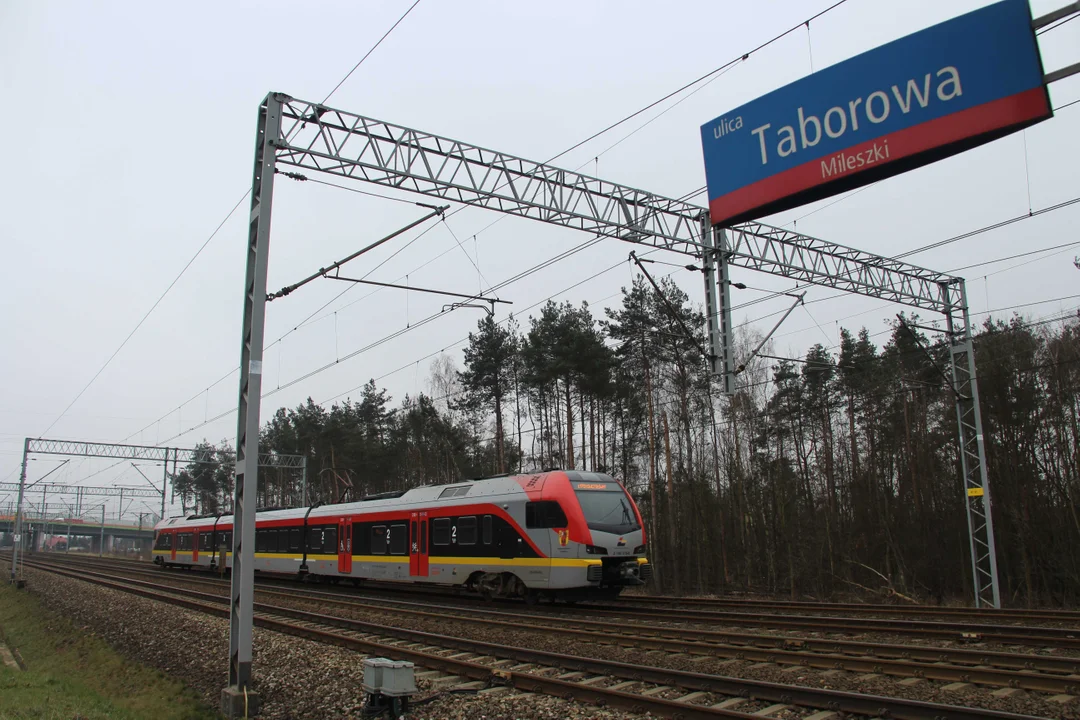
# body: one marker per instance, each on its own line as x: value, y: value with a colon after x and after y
x: 131, y: 129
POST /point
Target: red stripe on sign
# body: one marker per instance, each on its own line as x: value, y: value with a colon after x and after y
x: 1012, y: 110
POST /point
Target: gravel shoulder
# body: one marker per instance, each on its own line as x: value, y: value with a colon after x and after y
x: 298, y: 679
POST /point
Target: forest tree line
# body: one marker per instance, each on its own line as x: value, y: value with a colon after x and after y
x: 831, y: 474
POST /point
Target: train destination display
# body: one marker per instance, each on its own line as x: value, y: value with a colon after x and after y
x: 916, y: 100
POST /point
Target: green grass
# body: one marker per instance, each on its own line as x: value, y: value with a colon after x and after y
x: 74, y: 676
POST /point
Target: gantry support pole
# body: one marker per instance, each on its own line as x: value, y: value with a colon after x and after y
x: 708, y: 267
x: 715, y: 264
x: 18, y: 511
x: 164, y: 482
x: 727, y: 337
x: 972, y: 448
x: 237, y: 697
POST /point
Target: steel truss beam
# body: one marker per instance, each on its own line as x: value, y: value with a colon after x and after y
x: 61, y: 489
x: 44, y: 446
x: 342, y: 143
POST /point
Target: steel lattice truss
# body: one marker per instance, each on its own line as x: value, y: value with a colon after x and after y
x: 333, y: 141
x: 342, y: 143
x: 43, y: 446
x: 810, y: 260
x: 972, y: 452
x: 61, y: 489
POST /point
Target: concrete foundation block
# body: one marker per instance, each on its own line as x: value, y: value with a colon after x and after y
x: 235, y: 703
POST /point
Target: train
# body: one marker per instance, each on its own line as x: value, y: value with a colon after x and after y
x: 554, y: 535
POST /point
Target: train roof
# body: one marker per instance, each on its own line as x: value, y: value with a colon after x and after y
x: 461, y: 492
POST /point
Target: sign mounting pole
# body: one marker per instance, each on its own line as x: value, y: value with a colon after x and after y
x: 237, y: 699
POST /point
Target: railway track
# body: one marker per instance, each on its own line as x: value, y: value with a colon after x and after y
x: 669, y: 602
x: 926, y: 611
x: 1041, y: 673
x: 670, y: 693
x: 981, y: 666
x: 953, y: 630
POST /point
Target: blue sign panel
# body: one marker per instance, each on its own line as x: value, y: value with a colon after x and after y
x: 903, y: 105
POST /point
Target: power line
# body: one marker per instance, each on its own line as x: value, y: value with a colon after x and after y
x: 207, y: 242
x: 368, y: 53
x: 706, y: 76
x: 147, y: 314
x: 988, y: 228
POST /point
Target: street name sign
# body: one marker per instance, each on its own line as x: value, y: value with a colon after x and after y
x: 911, y: 102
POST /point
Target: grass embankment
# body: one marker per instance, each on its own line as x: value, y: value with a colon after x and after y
x: 73, y: 675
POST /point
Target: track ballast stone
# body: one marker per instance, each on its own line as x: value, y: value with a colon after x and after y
x: 297, y: 679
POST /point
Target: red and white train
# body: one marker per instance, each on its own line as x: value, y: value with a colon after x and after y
x: 559, y: 534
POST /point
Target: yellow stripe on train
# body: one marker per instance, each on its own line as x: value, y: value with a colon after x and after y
x: 518, y: 562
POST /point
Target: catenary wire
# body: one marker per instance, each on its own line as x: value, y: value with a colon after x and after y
x: 204, y: 245
x: 707, y: 76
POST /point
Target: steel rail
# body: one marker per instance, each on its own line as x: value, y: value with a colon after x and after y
x: 817, y: 652
x: 962, y: 632
x: 812, y: 697
x: 861, y: 608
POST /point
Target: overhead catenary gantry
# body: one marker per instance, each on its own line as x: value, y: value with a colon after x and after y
x: 315, y: 137
x: 119, y: 451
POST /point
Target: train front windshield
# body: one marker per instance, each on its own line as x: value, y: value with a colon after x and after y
x: 607, y: 507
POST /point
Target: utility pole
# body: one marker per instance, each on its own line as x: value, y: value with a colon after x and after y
x: 18, y: 511
x: 101, y: 543
x: 237, y: 699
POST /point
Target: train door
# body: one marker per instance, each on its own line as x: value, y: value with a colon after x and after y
x: 423, y: 544
x: 414, y: 544
x: 173, y: 542
x: 344, y: 562
x: 418, y: 544
x: 195, y: 536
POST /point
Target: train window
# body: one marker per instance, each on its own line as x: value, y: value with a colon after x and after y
x: 283, y: 540
x: 329, y: 541
x: 228, y: 539
x: 314, y: 540
x: 260, y: 541
x: 440, y: 531
x: 466, y: 530
x: 185, y: 541
x: 204, y: 542
x: 163, y: 542
x: 294, y: 539
x: 456, y: 491
x: 544, y: 514
x: 486, y: 530
x: 399, y: 540
x: 378, y: 540
x: 271, y: 541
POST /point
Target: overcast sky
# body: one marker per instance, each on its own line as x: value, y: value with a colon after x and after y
x: 130, y: 130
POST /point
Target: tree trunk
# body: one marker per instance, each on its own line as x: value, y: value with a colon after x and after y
x: 569, y: 428
x: 500, y: 461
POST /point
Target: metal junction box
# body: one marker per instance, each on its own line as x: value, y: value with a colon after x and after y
x: 392, y: 678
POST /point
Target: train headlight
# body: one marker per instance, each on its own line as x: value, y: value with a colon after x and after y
x: 595, y: 550
x: 639, y: 550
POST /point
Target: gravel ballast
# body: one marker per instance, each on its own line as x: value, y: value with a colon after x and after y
x: 296, y: 678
